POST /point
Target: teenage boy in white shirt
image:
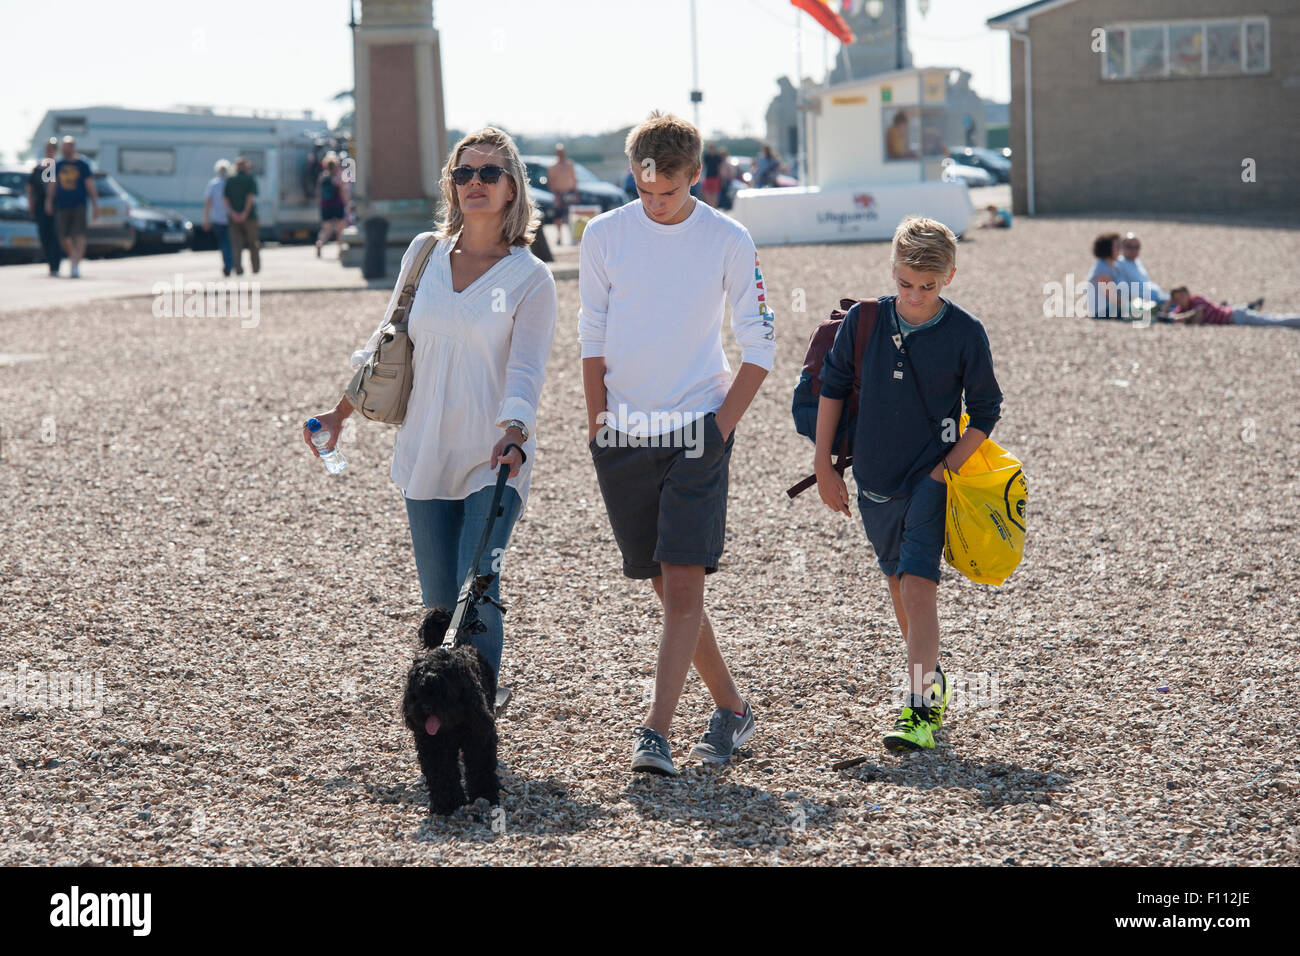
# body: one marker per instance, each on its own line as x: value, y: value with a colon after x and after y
x: 662, y: 407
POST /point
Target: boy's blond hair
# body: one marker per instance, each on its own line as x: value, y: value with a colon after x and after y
x: 925, y: 245
x: 668, y: 142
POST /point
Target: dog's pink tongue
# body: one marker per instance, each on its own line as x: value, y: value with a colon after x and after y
x: 431, y: 725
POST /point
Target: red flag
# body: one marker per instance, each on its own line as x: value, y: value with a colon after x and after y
x: 824, y: 13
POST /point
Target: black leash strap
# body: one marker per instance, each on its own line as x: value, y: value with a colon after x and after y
x: 473, y: 591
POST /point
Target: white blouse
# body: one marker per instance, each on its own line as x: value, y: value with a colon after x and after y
x: 479, y: 360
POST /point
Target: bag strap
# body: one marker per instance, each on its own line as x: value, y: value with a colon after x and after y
x: 911, y: 370
x: 413, y: 277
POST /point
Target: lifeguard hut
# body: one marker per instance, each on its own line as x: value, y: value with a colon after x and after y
x: 875, y: 153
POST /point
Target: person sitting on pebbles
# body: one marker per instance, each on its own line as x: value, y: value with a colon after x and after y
x: 1198, y: 310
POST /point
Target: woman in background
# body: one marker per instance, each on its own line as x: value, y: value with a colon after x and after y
x: 333, y: 194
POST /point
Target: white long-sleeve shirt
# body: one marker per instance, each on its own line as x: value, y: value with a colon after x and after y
x: 479, y: 360
x: 653, y: 299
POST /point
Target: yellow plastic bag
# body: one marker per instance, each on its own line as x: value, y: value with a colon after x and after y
x: 984, y: 529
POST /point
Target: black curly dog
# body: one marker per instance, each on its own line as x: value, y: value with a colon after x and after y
x: 448, y: 704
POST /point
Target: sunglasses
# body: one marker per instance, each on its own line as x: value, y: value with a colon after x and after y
x: 488, y: 175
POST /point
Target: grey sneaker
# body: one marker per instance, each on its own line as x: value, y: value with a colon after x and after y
x: 726, y: 732
x: 651, y: 754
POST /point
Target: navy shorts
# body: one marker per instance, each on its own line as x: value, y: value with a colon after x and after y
x: 907, y: 532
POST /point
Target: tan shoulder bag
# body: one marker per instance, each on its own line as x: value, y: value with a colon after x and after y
x: 381, y: 386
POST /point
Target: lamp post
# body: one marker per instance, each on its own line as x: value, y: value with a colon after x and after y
x: 696, y: 95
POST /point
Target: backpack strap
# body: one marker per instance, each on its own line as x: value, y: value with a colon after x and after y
x: 868, y: 310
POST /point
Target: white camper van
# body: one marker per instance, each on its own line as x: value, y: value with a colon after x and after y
x: 166, y: 158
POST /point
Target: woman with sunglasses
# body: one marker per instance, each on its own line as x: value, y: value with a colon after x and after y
x: 481, y: 326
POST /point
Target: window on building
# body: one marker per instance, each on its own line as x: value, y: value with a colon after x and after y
x: 1113, y: 58
x: 1140, y: 51
x: 147, y: 162
x: 1186, y: 49
x: 1146, y: 51
x: 1256, y: 46
x: 1223, y: 48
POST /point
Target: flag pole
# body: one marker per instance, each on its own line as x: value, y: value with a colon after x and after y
x: 801, y: 159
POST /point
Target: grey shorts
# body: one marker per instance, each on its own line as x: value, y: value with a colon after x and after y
x: 70, y: 222
x: 668, y: 503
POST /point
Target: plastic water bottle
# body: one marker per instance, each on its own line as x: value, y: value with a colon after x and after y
x: 334, y: 460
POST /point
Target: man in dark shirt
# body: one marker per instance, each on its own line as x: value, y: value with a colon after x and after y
x: 241, y: 203
x: 41, y: 176
x: 65, y: 200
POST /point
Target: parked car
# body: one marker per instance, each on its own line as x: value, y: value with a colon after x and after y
x: 110, y: 232
x: 544, y: 201
x: 955, y: 172
x: 19, y: 239
x: 990, y: 160
x: 592, y: 190
x: 156, y: 230
x: 14, y: 178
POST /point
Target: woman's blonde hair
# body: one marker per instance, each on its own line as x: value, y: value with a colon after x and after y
x: 521, y: 220
x: 925, y: 245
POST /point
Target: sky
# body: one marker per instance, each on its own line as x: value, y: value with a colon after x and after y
x: 567, y: 66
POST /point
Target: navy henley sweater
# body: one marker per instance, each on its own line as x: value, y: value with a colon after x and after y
x: 894, y: 446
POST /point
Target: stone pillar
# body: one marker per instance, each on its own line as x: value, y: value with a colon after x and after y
x: 401, y: 128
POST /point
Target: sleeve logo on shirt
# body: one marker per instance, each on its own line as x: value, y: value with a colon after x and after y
x: 768, y: 316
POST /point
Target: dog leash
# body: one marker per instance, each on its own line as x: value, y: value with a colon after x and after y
x: 473, y: 591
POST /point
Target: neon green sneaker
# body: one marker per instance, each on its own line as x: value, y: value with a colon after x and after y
x: 940, y: 695
x: 912, y: 731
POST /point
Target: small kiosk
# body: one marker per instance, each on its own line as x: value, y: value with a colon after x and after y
x: 875, y: 153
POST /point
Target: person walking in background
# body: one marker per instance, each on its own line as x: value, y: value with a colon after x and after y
x: 240, y: 195
x: 481, y: 326
x: 562, y: 181
x: 65, y: 200
x: 216, y: 217
x: 333, y: 194
x: 726, y: 174
x: 41, y: 176
x: 766, y: 169
x: 712, y: 174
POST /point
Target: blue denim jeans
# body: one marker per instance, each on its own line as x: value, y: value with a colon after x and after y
x: 222, y: 231
x: 444, y: 535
